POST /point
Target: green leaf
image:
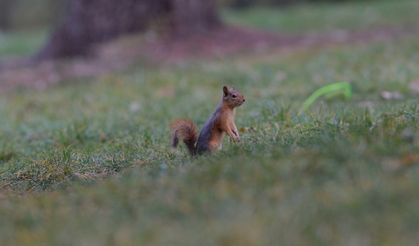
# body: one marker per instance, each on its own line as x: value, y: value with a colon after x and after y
x: 329, y: 91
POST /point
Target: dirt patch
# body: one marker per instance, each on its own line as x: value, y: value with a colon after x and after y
x: 216, y: 44
x: 229, y: 41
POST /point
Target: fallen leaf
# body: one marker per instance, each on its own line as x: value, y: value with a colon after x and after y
x: 135, y: 107
x: 166, y: 91
x: 140, y: 162
x: 391, y: 95
x: 409, y: 159
x: 414, y: 86
x: 366, y: 104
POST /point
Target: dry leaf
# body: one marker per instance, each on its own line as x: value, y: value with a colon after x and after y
x: 414, y: 86
x: 391, y: 95
x: 409, y: 159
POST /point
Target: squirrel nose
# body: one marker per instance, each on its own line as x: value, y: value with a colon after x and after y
x: 244, y: 100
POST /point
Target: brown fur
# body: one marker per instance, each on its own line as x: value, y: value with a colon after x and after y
x: 211, y: 135
x: 186, y: 131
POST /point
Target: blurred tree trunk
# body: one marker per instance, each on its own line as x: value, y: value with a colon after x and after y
x: 193, y: 16
x: 5, y: 13
x: 88, y: 22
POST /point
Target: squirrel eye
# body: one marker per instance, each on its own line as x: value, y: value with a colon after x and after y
x: 233, y: 96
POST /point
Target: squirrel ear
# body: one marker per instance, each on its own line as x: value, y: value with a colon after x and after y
x: 225, y: 90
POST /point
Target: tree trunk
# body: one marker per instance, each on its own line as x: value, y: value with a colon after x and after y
x: 5, y: 10
x: 194, y: 16
x: 89, y: 22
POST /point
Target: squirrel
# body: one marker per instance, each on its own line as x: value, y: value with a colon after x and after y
x: 211, y: 136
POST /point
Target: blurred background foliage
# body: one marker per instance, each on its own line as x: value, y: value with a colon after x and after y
x: 28, y: 14
x: 249, y: 3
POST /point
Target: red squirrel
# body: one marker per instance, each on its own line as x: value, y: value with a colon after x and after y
x: 211, y: 136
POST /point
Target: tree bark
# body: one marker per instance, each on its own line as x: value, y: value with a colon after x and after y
x: 194, y: 16
x: 5, y: 14
x: 89, y: 22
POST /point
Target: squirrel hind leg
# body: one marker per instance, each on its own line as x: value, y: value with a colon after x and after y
x: 175, y: 140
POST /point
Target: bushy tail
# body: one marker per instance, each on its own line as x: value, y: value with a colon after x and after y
x: 186, y: 131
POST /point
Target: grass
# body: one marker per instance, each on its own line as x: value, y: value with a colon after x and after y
x: 88, y: 162
x: 20, y: 43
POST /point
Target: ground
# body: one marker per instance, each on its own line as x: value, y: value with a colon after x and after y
x: 87, y: 161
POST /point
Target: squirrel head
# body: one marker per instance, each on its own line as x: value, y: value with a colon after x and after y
x: 232, y: 98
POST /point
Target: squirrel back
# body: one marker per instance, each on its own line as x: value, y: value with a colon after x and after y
x: 211, y: 135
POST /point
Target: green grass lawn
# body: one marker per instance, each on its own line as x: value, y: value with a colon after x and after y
x: 88, y: 162
x: 328, y: 17
x: 20, y: 43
